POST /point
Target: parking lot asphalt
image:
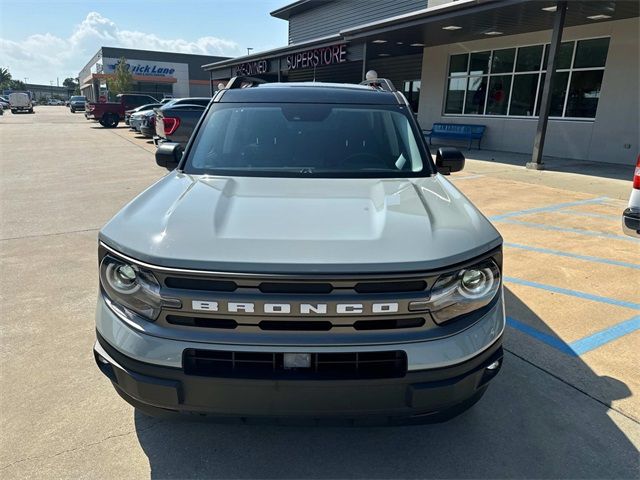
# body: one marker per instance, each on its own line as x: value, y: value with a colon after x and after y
x: 565, y: 404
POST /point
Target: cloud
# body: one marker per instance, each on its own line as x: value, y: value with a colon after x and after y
x: 43, y: 57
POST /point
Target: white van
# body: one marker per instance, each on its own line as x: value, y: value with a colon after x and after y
x: 20, y: 102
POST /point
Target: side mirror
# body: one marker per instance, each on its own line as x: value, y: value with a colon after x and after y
x: 168, y: 155
x: 449, y: 160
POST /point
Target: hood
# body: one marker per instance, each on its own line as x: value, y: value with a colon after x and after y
x: 286, y: 225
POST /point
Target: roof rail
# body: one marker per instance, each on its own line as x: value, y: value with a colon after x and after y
x: 243, y: 82
x: 380, y: 84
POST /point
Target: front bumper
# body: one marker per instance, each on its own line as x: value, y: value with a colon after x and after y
x: 631, y: 222
x: 419, y: 397
x: 444, y: 377
x: 147, y: 131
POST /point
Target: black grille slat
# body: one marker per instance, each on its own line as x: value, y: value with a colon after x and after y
x: 389, y: 324
x: 297, y: 326
x: 201, y: 284
x: 293, y: 287
x: 324, y: 366
x: 391, y: 287
x: 300, y: 287
x: 203, y: 322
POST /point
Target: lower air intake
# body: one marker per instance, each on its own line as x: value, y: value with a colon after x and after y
x: 266, y: 365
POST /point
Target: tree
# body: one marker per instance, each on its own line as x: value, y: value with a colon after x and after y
x: 5, y: 78
x: 72, y: 84
x: 122, y: 80
x: 17, y: 85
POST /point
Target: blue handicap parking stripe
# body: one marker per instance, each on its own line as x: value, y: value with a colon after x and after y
x: 543, y: 337
x: 605, y: 336
x: 617, y: 218
x: 587, y: 258
x: 549, y: 208
x: 579, y: 231
x: 584, y: 345
x: 574, y: 293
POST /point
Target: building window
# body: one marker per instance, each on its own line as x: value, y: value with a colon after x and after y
x: 508, y: 82
x: 412, y: 93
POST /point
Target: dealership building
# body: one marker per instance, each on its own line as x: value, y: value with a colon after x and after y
x: 480, y: 62
x: 159, y: 74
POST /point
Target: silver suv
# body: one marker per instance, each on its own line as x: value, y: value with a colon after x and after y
x: 304, y: 258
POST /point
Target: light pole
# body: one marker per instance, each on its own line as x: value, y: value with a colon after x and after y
x: 249, y: 50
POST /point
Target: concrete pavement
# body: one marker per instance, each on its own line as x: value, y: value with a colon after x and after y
x: 565, y: 404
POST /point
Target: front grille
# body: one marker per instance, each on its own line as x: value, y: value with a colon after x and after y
x: 267, y: 365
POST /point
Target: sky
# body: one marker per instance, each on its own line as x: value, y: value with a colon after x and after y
x: 48, y: 40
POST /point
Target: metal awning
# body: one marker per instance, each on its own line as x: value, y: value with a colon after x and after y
x: 479, y: 19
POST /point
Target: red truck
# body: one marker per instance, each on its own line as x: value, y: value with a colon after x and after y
x: 109, y: 114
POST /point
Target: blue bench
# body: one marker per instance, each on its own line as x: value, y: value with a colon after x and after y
x: 456, y: 130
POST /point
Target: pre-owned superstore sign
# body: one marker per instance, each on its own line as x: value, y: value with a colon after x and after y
x: 317, y: 57
x: 253, y: 68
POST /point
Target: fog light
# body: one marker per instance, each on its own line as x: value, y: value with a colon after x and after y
x: 494, y: 365
x: 103, y: 360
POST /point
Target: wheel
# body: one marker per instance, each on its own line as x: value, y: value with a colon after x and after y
x: 13, y: 110
x: 110, y: 120
x: 101, y: 122
x: 73, y: 111
x: 31, y: 110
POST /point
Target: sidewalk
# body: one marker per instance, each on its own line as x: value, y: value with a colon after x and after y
x: 603, y: 179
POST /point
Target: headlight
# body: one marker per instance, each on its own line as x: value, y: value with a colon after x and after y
x: 133, y: 288
x: 464, y: 291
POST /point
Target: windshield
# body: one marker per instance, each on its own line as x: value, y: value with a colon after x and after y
x: 78, y: 99
x: 308, y: 140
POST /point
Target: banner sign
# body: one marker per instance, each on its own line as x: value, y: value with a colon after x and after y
x: 147, y: 69
x: 252, y: 68
x: 317, y: 57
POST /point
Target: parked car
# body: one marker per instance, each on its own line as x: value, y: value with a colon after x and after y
x: 1, y: 109
x: 77, y: 102
x: 148, y: 124
x: 177, y: 123
x: 141, y: 108
x: 631, y: 215
x: 20, y: 102
x: 4, y: 101
x: 109, y: 114
x: 165, y: 100
x: 304, y: 257
x: 135, y: 121
x: 55, y: 102
x: 204, y: 101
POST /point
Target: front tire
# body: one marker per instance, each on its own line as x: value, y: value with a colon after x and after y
x: 73, y: 111
x: 13, y: 110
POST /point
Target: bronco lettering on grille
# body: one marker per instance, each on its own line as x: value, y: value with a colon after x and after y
x: 288, y: 309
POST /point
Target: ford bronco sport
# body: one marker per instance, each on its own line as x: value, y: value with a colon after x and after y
x: 304, y: 259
